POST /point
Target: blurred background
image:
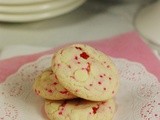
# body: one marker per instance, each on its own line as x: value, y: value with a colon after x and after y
x: 49, y: 23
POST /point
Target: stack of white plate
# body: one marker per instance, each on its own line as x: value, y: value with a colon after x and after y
x: 34, y: 10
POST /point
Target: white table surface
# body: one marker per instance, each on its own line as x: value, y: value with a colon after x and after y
x: 96, y: 19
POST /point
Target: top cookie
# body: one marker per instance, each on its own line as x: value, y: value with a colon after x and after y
x: 86, y: 72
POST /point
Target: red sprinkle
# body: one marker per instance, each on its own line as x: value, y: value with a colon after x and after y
x: 60, y: 113
x: 99, y: 83
x: 50, y: 91
x: 64, y: 92
x: 79, y: 48
x: 95, y: 109
x: 101, y: 76
x: 104, y: 88
x: 110, y: 78
x: 84, y: 55
x: 63, y: 104
x: 55, y: 83
x: 76, y: 58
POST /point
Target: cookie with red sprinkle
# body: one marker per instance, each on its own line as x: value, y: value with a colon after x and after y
x: 86, y: 72
x: 47, y: 86
x: 80, y: 109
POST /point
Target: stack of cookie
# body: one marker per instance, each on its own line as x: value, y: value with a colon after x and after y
x: 80, y: 85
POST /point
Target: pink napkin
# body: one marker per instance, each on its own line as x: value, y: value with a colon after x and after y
x: 128, y: 46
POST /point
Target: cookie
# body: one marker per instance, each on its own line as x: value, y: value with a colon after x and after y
x: 47, y: 86
x: 86, y: 72
x: 80, y: 109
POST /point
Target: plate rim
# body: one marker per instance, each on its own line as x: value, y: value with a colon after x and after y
x: 34, y: 7
x: 21, y: 18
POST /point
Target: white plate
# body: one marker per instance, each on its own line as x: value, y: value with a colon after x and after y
x: 41, y: 15
x: 23, y: 2
x: 34, y: 7
x: 138, y: 97
x: 147, y: 23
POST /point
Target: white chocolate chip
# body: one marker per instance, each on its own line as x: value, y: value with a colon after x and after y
x: 81, y: 75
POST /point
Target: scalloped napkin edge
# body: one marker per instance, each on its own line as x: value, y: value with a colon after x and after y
x: 128, y: 46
